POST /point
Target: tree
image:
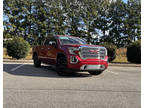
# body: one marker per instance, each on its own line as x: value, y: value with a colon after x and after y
x: 113, y: 21
x: 117, y: 17
x: 102, y: 21
x: 132, y: 22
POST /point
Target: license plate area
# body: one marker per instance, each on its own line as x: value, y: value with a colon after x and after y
x: 92, y: 67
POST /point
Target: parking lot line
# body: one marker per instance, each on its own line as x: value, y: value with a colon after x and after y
x: 112, y: 72
x: 13, y: 69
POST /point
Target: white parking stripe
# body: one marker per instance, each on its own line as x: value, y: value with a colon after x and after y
x: 112, y: 72
x: 13, y: 69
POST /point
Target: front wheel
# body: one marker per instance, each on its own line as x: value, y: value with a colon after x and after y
x: 61, y: 66
x: 95, y: 72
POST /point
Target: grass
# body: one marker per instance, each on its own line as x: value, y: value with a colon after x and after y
x: 28, y: 57
x: 120, y: 58
x: 5, y: 56
x: 121, y: 55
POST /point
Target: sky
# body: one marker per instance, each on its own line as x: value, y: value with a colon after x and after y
x: 125, y: 1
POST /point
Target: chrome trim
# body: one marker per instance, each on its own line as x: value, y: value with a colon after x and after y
x: 46, y: 57
x: 92, y: 67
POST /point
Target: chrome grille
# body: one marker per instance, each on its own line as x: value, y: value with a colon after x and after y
x: 92, y: 52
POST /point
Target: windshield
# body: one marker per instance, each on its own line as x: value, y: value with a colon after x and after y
x: 71, y: 40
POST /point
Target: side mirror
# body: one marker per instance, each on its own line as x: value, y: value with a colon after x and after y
x: 52, y: 43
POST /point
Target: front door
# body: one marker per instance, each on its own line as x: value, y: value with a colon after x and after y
x: 52, y: 51
x: 45, y: 51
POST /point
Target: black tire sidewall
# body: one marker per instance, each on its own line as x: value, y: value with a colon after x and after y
x: 37, y: 63
x: 61, y: 68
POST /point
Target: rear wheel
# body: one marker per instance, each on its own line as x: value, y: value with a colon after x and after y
x: 37, y: 62
x: 95, y: 72
x: 61, y: 66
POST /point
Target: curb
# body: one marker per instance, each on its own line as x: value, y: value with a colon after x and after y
x: 18, y: 61
x: 110, y: 64
x: 124, y: 65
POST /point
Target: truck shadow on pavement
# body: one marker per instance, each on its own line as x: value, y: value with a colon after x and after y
x: 43, y: 71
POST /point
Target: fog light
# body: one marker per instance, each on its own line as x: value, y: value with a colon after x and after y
x: 102, y: 67
x: 73, y: 60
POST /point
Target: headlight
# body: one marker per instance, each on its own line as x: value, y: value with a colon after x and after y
x: 73, y: 50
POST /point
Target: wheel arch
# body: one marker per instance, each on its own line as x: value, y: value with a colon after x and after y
x: 61, y: 55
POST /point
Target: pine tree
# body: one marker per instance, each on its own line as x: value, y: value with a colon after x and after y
x: 133, y: 20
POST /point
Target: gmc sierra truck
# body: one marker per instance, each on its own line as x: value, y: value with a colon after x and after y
x: 70, y: 54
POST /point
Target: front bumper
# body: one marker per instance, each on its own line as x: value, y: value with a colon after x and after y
x: 88, y: 64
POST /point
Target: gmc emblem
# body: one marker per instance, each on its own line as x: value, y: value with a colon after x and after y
x: 94, y: 51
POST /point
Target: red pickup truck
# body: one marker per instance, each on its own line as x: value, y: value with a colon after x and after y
x: 70, y: 54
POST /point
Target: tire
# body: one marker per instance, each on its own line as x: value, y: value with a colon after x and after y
x: 37, y: 63
x: 61, y: 66
x: 98, y: 72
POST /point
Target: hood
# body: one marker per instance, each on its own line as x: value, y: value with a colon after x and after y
x: 80, y: 45
x: 66, y: 47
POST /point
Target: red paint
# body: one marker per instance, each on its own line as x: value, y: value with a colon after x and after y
x: 48, y: 54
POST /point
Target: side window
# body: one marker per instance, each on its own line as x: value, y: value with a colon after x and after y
x: 53, y: 42
x: 50, y: 41
x: 46, y: 42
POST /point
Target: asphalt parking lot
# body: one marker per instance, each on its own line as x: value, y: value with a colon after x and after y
x: 28, y: 87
